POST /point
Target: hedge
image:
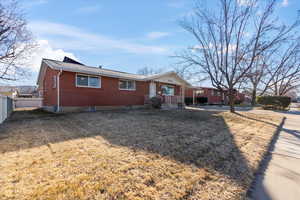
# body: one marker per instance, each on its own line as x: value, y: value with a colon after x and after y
x: 198, y: 100
x: 156, y: 102
x: 274, y: 102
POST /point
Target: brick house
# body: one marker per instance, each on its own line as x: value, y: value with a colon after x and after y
x: 68, y: 85
x: 213, y: 95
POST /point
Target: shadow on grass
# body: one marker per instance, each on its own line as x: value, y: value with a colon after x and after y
x: 254, y: 119
x: 223, y: 108
x: 31, y: 114
x: 198, y: 138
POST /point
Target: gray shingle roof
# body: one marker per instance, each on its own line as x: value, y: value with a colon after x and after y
x: 58, y: 65
x: 71, y: 67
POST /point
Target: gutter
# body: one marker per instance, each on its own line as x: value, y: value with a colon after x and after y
x: 58, y: 90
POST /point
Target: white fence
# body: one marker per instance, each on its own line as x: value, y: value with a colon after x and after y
x: 28, y: 102
x: 6, y: 107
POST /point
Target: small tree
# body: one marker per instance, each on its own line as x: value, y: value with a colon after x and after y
x: 15, y: 41
x: 231, y: 39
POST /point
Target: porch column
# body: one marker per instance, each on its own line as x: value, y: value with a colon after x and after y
x: 193, y: 97
x: 183, y: 93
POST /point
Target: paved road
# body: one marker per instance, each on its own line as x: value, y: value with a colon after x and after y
x: 281, y: 179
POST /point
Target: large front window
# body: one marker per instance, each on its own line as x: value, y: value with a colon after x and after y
x: 126, y: 85
x: 87, y: 81
x: 168, y: 90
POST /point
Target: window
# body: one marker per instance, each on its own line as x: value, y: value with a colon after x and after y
x: 54, y: 82
x: 126, y: 85
x: 216, y: 93
x: 87, y: 81
x: 167, y: 90
x: 199, y: 92
x: 94, y: 81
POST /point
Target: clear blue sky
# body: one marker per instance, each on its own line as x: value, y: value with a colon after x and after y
x: 121, y: 35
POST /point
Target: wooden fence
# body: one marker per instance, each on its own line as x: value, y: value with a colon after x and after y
x: 28, y: 102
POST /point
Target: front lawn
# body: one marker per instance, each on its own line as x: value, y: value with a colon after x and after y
x: 140, y: 154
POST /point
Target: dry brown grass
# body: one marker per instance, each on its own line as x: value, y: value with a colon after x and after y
x: 132, y: 155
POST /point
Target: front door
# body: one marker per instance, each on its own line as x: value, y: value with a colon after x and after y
x: 152, y: 89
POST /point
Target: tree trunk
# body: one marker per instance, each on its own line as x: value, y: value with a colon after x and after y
x: 253, y: 100
x: 231, y: 101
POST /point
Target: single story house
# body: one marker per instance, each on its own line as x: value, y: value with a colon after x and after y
x: 68, y: 85
x: 213, y: 95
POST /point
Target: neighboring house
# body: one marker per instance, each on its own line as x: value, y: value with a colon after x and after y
x: 69, y: 85
x: 9, y: 91
x: 19, y: 91
x: 213, y: 95
x: 27, y: 91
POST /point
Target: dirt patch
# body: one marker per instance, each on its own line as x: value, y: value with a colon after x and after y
x: 132, y: 155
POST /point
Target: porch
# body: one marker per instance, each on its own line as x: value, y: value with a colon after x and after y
x: 167, y: 101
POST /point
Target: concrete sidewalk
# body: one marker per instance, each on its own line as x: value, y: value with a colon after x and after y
x: 281, y: 178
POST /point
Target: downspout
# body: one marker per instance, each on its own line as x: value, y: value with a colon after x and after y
x: 58, y: 90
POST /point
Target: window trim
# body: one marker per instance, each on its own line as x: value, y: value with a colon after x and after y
x: 88, y: 86
x: 168, y: 86
x: 127, y: 85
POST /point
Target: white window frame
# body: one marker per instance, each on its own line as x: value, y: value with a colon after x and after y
x: 127, y: 85
x: 88, y: 86
x: 168, y: 94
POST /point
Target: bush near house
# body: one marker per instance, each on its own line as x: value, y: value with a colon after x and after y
x: 188, y: 100
x: 156, y: 102
x: 201, y: 100
x: 274, y: 102
x: 198, y: 100
x: 238, y: 101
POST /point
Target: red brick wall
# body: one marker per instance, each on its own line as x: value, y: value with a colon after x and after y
x: 108, y: 95
x: 207, y: 93
x: 49, y: 93
x: 211, y: 98
x: 188, y: 92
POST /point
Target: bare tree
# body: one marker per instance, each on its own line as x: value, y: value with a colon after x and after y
x: 256, y: 75
x: 15, y: 41
x: 283, y: 71
x: 230, y: 40
x: 149, y: 71
x: 190, y: 74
